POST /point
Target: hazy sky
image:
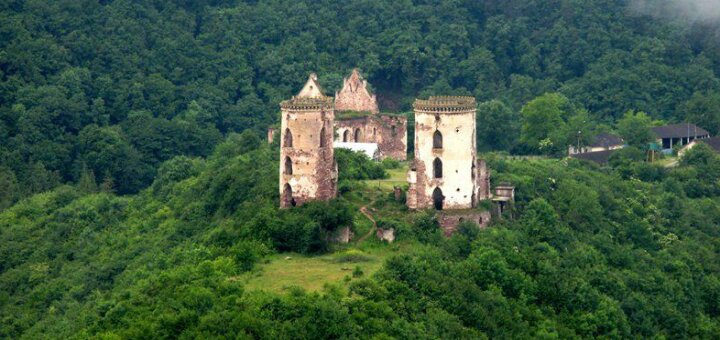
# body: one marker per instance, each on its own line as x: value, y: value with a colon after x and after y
x: 693, y: 10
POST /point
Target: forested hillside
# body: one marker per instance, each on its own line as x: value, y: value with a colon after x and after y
x: 111, y: 89
x: 623, y: 253
x: 139, y: 198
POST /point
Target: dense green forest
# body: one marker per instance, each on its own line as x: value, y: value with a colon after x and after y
x: 114, y: 88
x: 136, y: 191
x: 624, y: 252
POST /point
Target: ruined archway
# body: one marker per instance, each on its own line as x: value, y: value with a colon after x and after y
x: 358, y: 136
x: 288, y: 166
x: 288, y: 139
x: 346, y: 136
x: 437, y: 168
x: 322, y: 138
x: 437, y: 140
x: 438, y: 199
x: 287, y: 199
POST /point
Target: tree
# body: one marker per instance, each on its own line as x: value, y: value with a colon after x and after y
x: 541, y: 119
x: 703, y: 109
x: 498, y: 126
x: 635, y: 129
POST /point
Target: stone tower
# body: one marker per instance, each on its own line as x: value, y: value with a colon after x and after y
x: 307, y: 163
x: 355, y: 96
x: 445, y: 173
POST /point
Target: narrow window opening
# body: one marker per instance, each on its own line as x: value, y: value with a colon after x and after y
x: 322, y: 137
x: 288, y: 166
x: 437, y: 168
x: 437, y: 140
x: 288, y: 139
x: 438, y: 199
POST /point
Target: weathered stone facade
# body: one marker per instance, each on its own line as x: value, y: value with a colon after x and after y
x: 449, y: 221
x: 389, y: 132
x: 363, y: 124
x: 308, y: 170
x: 445, y: 173
x: 355, y: 96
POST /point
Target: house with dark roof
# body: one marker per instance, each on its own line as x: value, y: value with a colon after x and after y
x: 671, y: 135
x: 712, y: 142
x: 601, y: 142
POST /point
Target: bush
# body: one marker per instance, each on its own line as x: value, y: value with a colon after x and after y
x: 357, y: 166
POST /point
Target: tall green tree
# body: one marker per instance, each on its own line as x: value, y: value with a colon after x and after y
x: 635, y: 129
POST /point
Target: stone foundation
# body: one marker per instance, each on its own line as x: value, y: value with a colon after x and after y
x: 449, y: 221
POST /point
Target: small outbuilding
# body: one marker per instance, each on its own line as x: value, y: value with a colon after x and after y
x: 668, y: 136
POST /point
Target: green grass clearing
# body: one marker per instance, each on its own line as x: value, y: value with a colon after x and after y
x: 279, y: 272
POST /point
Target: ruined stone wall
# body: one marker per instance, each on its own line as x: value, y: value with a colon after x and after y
x: 483, y: 182
x: 314, y: 171
x: 456, y: 124
x: 449, y: 221
x: 389, y: 132
x: 391, y: 136
x: 350, y: 126
x: 270, y: 135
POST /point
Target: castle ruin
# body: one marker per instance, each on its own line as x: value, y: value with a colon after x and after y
x: 308, y: 170
x: 359, y: 121
x: 446, y: 174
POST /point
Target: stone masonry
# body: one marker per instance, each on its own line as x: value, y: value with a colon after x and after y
x: 308, y: 170
x: 355, y: 96
x: 363, y: 124
x: 444, y: 173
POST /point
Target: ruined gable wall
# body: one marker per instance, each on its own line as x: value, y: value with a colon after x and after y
x: 354, y: 96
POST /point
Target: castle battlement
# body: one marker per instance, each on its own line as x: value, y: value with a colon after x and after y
x: 445, y: 104
x: 307, y: 104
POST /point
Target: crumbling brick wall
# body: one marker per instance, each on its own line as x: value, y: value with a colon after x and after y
x: 449, y: 221
x: 388, y: 131
x: 355, y: 96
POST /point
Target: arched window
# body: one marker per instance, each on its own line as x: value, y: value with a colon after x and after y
x: 346, y: 135
x: 287, y: 199
x: 437, y: 168
x: 288, y: 166
x: 288, y: 139
x: 322, y: 137
x: 393, y: 131
x: 437, y: 140
x: 438, y: 199
x: 357, y: 135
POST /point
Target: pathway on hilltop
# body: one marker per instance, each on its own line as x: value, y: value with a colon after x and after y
x: 364, y: 211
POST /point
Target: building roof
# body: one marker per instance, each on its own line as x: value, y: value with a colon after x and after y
x: 605, y: 140
x: 312, y: 88
x: 600, y: 157
x: 681, y: 130
x: 713, y: 142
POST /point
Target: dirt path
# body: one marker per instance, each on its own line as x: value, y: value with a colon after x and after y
x: 364, y: 211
